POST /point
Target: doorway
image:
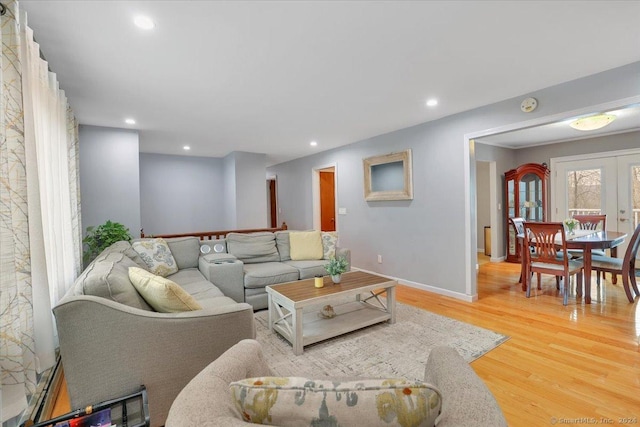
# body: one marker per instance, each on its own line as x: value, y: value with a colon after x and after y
x: 606, y: 183
x: 272, y: 203
x: 324, y: 190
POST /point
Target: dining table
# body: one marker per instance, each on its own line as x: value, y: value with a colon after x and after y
x: 586, y: 240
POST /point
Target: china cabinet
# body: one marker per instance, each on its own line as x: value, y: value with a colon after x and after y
x: 526, y: 195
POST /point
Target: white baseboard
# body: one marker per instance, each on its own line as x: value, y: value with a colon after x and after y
x: 498, y: 259
x: 422, y: 286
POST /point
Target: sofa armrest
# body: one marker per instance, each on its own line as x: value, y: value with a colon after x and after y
x: 346, y: 253
x: 206, y: 400
x: 466, y: 400
x: 109, y: 349
x: 224, y: 272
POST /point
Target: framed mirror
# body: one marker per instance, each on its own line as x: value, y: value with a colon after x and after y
x: 388, y: 177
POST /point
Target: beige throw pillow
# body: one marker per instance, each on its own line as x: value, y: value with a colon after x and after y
x: 305, y: 245
x: 157, y: 255
x: 160, y: 293
x: 296, y: 401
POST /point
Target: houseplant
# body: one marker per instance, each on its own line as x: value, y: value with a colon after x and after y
x: 336, y: 267
x: 102, y: 236
x: 571, y: 224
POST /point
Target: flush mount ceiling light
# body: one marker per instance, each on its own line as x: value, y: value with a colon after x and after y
x: 144, y: 22
x: 130, y: 121
x: 313, y: 143
x: 592, y: 122
x: 432, y: 102
x: 186, y: 147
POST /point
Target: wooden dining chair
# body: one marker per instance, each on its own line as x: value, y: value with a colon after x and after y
x: 546, y: 240
x: 518, y: 226
x: 592, y: 222
x: 625, y: 267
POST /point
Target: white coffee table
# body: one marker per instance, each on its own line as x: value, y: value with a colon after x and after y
x: 356, y: 301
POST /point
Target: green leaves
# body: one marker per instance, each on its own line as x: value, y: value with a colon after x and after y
x: 336, y: 266
x: 100, y: 237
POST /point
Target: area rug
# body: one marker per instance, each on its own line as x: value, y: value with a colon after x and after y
x: 382, y: 350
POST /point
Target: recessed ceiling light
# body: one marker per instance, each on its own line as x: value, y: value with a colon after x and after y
x: 144, y: 22
x: 130, y: 121
x: 313, y: 143
x: 186, y: 147
x: 432, y: 102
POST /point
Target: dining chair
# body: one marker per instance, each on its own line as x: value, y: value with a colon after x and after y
x: 591, y: 222
x: 518, y: 226
x: 546, y: 240
x: 625, y: 267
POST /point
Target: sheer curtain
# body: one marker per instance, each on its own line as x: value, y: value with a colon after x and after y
x: 40, y: 232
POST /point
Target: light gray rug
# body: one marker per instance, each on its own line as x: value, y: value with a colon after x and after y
x: 382, y: 350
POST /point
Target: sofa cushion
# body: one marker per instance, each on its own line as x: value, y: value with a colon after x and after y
x: 124, y: 247
x: 253, y: 247
x: 185, y: 250
x: 329, y: 243
x: 161, y: 293
x: 305, y: 245
x: 296, y: 401
x: 192, y: 281
x: 109, y: 279
x: 310, y: 268
x: 216, y: 302
x: 268, y: 273
x: 157, y: 255
x: 282, y: 243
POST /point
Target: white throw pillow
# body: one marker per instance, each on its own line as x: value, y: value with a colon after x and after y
x: 305, y: 245
x: 157, y: 255
x: 161, y: 293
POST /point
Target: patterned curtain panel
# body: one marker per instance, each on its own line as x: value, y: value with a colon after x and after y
x: 40, y: 230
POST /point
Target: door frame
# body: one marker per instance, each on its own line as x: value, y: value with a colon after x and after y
x: 315, y: 192
x: 469, y: 158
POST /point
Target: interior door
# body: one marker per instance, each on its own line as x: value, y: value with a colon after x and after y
x: 327, y: 201
x: 628, y: 195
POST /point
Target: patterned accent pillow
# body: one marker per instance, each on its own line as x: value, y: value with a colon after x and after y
x: 157, y: 255
x: 161, y: 293
x: 329, y: 243
x: 295, y: 401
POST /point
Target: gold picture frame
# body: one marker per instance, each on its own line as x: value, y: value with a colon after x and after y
x: 388, y: 177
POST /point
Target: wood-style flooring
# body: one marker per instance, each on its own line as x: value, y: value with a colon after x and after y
x: 573, y: 365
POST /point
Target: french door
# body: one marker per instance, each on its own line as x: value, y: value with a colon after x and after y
x: 609, y: 184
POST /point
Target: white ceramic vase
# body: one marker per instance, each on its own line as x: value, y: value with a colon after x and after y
x: 335, y: 278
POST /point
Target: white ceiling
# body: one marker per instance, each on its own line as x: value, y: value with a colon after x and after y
x: 270, y: 77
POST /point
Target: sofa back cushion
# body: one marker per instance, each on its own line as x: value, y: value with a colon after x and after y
x: 109, y: 278
x: 253, y: 247
x: 282, y: 243
x: 296, y: 401
x: 185, y: 250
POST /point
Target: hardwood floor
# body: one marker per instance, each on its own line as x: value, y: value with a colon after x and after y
x: 577, y: 365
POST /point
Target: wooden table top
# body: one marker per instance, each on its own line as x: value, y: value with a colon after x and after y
x: 304, y: 289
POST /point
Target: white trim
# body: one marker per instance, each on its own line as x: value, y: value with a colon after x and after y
x: 493, y: 200
x: 470, y: 222
x: 422, y: 286
x: 498, y: 259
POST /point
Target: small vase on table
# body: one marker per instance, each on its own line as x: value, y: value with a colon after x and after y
x: 335, y: 278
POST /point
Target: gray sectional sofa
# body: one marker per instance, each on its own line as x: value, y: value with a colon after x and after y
x: 112, y: 341
x: 250, y: 262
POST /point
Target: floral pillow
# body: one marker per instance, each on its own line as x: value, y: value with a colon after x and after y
x: 295, y: 401
x: 329, y: 243
x: 157, y: 256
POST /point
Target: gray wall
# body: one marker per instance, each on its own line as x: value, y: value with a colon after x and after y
x: 251, y: 196
x: 181, y: 194
x: 425, y: 240
x: 109, y: 177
